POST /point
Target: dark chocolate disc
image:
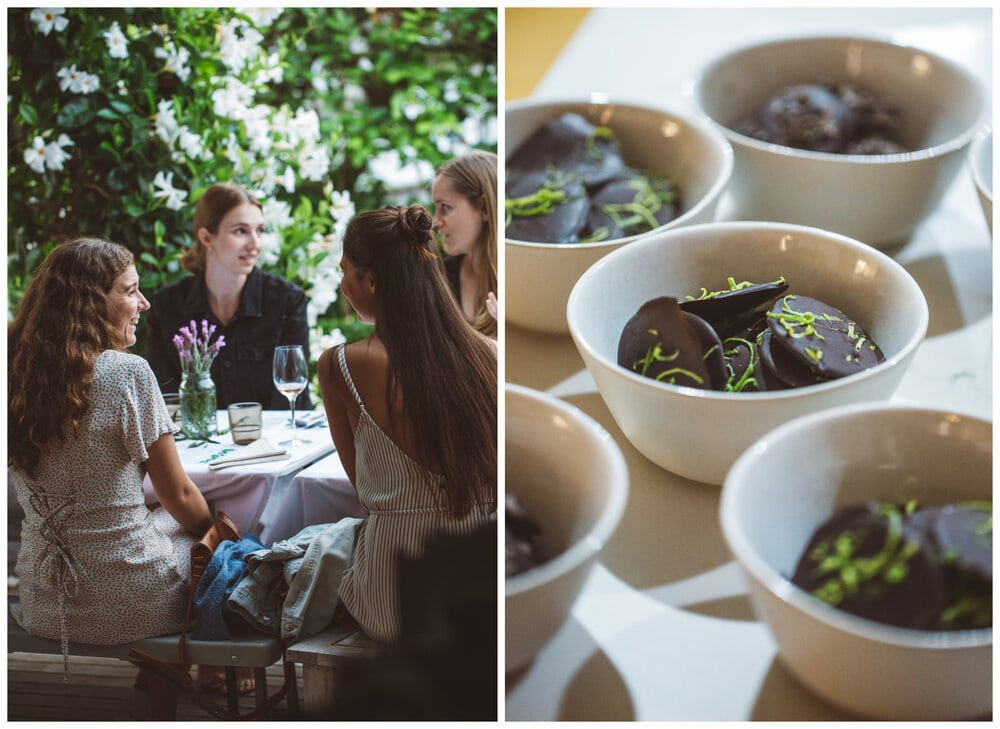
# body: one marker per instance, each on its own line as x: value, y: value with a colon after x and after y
x: 566, y: 218
x: 614, y: 206
x: 874, y: 565
x: 808, y: 116
x: 741, y: 364
x: 780, y: 365
x: 572, y: 145
x: 659, y: 342
x: 963, y: 535
x: 711, y: 347
x: 821, y: 337
x: 729, y: 311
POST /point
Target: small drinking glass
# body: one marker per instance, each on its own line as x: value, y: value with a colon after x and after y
x: 290, y: 376
x: 246, y: 421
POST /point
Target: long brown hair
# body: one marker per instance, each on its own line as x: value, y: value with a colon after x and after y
x: 474, y: 175
x: 445, y: 371
x: 212, y: 207
x: 63, y: 323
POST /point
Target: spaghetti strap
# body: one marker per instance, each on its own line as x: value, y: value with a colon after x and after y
x: 342, y: 359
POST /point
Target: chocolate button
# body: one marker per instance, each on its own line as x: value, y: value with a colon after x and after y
x: 661, y: 343
x: 729, y: 311
x: 821, y: 337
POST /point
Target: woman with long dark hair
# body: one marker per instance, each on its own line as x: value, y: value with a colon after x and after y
x: 412, y: 408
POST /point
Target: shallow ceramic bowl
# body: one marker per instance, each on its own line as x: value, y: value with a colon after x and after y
x: 690, y: 153
x: 572, y: 479
x: 696, y: 433
x: 878, y: 199
x: 981, y: 165
x: 787, y: 484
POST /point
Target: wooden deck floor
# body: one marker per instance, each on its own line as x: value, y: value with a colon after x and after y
x: 99, y: 689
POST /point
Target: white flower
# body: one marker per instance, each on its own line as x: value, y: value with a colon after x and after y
x: 55, y: 156
x: 166, y: 126
x: 116, y: 40
x: 175, y: 60
x: 237, y: 43
x: 358, y: 45
x: 257, y: 123
x: 233, y: 99
x: 319, y: 76
x: 89, y: 83
x: 69, y: 79
x: 48, y: 18
x: 164, y: 189
x: 320, y: 342
x: 451, y: 94
x: 35, y: 155
x: 365, y: 64
x: 270, y: 248
x: 303, y: 127
x: 277, y: 213
x: 191, y: 144
x: 354, y: 94
x: 314, y: 163
x: 388, y: 167
x: 413, y: 109
x: 287, y: 180
x: 341, y: 206
x: 262, y: 17
x: 272, y: 72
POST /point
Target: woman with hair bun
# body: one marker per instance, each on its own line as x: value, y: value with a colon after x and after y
x: 465, y: 215
x: 412, y: 408
x: 254, y: 310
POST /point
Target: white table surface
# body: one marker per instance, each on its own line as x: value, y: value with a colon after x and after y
x: 663, y: 629
x: 318, y: 494
x: 243, y: 492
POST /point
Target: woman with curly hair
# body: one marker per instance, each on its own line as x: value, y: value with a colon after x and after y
x: 465, y: 215
x: 86, y: 422
x: 412, y: 409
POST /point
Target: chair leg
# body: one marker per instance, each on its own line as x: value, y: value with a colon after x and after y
x: 160, y: 697
x: 293, y: 688
x: 260, y: 687
x: 232, y: 691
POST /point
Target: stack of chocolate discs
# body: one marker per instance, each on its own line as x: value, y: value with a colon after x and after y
x: 748, y: 337
x: 925, y: 568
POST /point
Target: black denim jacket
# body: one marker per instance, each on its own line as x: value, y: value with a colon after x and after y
x: 272, y: 311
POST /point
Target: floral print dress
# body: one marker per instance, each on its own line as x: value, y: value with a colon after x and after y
x: 96, y: 565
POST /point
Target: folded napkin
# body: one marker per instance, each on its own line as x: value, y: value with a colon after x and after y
x: 260, y: 451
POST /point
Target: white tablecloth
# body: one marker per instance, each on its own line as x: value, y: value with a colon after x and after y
x: 243, y: 491
x: 319, y: 494
x: 663, y: 630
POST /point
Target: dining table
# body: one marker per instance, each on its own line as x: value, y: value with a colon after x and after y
x: 663, y: 628
x: 246, y: 491
x: 318, y: 494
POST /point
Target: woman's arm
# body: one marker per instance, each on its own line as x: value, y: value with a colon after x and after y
x: 333, y: 388
x: 174, y: 489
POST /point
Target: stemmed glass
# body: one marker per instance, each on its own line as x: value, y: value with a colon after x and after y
x: 290, y: 375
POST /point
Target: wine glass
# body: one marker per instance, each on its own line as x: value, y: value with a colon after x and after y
x: 290, y: 375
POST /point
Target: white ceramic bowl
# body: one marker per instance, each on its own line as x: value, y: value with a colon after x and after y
x: 689, y: 152
x: 696, y: 433
x: 981, y: 165
x: 877, y: 199
x: 572, y: 479
x: 792, y: 480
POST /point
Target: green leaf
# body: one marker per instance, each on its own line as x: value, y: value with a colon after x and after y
x: 28, y: 114
x: 75, y: 113
x: 106, y: 113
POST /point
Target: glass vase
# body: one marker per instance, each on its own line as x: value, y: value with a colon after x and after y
x: 197, y: 392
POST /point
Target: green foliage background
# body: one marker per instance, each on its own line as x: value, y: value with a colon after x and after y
x: 414, y: 82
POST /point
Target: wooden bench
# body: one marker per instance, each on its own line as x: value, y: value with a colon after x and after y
x: 321, y: 655
x: 250, y: 650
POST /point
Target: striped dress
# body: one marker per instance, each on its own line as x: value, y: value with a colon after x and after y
x: 405, y: 506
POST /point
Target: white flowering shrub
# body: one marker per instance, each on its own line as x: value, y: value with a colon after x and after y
x: 119, y: 118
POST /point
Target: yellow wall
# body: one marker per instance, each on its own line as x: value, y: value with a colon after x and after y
x: 534, y: 37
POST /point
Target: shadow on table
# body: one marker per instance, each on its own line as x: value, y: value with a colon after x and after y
x: 596, y: 692
x: 783, y: 698
x: 936, y: 275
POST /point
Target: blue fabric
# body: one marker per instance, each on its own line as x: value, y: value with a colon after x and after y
x: 221, y: 576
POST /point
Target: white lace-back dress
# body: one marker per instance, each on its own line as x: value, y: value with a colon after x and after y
x: 96, y: 565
